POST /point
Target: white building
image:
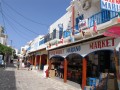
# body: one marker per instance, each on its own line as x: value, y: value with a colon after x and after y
x: 3, y: 37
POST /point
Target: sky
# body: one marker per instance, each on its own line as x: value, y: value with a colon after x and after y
x: 24, y: 20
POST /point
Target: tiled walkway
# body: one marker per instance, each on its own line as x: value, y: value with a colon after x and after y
x: 13, y: 79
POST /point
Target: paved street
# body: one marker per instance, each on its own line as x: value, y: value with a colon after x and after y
x: 13, y: 79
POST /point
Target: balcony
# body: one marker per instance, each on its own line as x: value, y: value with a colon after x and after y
x: 104, y: 20
x: 53, y: 37
x: 101, y: 17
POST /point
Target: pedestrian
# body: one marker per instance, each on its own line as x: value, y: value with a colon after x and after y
x: 28, y: 65
x: 23, y: 65
x: 61, y: 69
x: 18, y: 64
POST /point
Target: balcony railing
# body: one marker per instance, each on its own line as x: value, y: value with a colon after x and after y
x: 101, y: 17
x: 54, y: 35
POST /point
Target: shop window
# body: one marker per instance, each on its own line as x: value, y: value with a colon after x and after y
x: 60, y: 34
x: 74, y: 72
x: 54, y: 33
x: 41, y: 42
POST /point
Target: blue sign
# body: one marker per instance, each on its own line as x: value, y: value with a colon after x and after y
x: 73, y: 49
x: 112, y: 5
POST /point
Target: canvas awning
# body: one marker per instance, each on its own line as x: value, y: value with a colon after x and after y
x: 113, y: 32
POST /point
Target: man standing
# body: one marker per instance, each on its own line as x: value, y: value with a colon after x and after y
x: 18, y: 64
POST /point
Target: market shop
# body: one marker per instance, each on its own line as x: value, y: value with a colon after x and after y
x: 84, y: 60
x: 38, y: 59
x: 41, y: 59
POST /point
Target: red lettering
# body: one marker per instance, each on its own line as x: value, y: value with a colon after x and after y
x: 91, y: 46
x: 113, y: 42
x: 95, y: 45
x: 99, y: 44
x: 103, y: 43
x: 107, y: 43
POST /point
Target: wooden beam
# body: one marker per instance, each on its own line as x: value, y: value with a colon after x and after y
x: 84, y: 72
x: 40, y: 62
x: 73, y: 18
x: 65, y: 70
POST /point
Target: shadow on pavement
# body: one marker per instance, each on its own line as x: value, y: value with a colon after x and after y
x: 7, y: 79
x: 76, y: 85
x: 11, y: 65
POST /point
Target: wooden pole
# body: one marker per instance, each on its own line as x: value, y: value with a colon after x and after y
x: 116, y: 64
x: 47, y: 60
x: 65, y: 70
x: 35, y: 61
x: 40, y: 62
x: 84, y: 72
x: 73, y: 18
x: 31, y: 60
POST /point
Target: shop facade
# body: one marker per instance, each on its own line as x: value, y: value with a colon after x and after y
x: 86, y: 59
x: 41, y: 59
x: 38, y: 59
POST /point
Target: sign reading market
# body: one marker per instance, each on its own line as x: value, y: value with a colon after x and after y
x: 112, y: 5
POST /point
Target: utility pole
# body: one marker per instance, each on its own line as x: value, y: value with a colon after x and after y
x: 11, y: 43
x: 12, y: 50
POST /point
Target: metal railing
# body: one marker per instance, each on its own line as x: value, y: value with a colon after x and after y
x: 101, y: 17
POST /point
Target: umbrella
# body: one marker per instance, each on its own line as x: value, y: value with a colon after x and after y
x: 113, y: 32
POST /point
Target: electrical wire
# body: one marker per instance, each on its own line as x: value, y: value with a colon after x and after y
x: 8, y: 21
x: 24, y: 16
x: 14, y: 25
x: 3, y: 17
x: 20, y: 24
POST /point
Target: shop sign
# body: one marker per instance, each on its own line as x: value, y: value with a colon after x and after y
x: 38, y: 53
x: 57, y: 52
x: 113, y: 5
x: 73, y: 49
x: 83, y: 24
x: 102, y: 43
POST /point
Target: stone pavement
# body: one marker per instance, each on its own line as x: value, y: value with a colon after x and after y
x: 13, y: 79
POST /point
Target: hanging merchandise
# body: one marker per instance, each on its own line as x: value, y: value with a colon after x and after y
x: 62, y: 40
x: 95, y: 27
x: 82, y: 32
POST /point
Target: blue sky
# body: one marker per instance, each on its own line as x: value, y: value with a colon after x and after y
x: 18, y: 13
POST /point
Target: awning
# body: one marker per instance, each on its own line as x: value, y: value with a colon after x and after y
x: 113, y: 32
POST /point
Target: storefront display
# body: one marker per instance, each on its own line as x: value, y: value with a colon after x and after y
x: 99, y: 57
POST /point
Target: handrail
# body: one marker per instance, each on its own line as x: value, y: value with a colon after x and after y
x: 101, y: 17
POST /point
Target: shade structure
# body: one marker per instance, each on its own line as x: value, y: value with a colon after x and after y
x: 113, y: 32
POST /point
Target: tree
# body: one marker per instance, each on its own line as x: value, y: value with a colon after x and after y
x: 5, y: 50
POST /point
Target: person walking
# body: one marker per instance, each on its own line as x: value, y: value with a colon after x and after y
x: 61, y: 69
x: 18, y: 64
x: 29, y: 65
